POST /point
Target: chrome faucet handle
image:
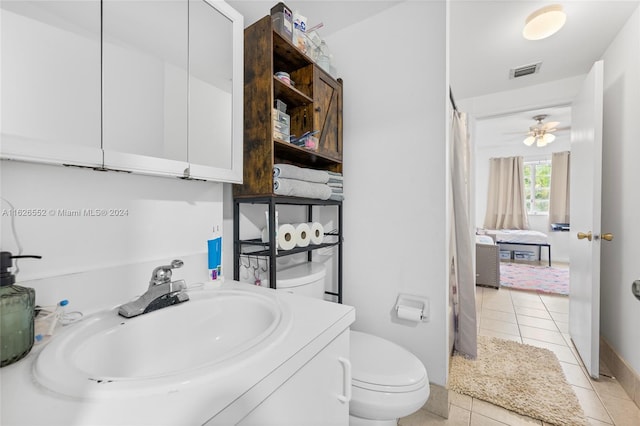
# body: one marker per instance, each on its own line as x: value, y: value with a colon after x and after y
x: 162, y: 274
x: 162, y: 292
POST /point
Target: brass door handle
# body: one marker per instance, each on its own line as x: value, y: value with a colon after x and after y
x: 608, y: 236
x: 582, y: 235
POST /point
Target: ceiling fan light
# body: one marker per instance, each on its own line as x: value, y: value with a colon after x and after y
x: 529, y: 140
x: 548, y: 138
x: 544, y: 22
x: 541, y: 142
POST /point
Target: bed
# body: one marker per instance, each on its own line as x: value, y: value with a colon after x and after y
x: 520, y: 237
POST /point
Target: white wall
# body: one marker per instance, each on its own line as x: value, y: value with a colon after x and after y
x: 620, y: 311
x: 559, y: 92
x: 100, y: 261
x: 395, y: 91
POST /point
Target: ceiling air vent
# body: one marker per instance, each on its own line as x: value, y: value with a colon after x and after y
x: 524, y: 70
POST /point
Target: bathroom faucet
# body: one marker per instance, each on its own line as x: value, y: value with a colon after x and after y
x: 162, y: 292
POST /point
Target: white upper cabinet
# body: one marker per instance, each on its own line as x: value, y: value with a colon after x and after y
x: 145, y: 85
x: 216, y: 36
x: 51, y: 81
x: 161, y: 95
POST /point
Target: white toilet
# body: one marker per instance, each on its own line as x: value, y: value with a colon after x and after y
x: 388, y: 382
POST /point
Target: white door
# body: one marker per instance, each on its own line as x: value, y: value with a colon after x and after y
x: 586, y: 177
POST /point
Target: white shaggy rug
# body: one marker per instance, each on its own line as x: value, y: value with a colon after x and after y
x: 522, y: 378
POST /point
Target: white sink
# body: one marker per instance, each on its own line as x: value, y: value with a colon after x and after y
x: 162, y: 351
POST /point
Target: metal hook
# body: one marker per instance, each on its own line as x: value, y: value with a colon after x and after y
x: 256, y: 272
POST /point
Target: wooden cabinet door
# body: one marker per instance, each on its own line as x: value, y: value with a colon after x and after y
x: 327, y: 102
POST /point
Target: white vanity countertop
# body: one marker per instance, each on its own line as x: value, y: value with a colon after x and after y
x: 236, y: 390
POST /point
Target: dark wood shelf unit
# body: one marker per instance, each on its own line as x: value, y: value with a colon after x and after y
x: 314, y: 103
x: 288, y: 94
x: 289, y: 153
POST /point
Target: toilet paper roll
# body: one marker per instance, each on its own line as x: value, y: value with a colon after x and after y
x: 302, y: 234
x: 317, y: 232
x: 285, y: 237
x: 409, y: 313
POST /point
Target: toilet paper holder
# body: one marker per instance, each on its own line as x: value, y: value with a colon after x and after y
x: 412, y: 307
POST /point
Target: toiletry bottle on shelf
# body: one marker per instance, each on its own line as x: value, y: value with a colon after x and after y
x: 323, y: 56
x: 16, y: 313
x: 214, y: 248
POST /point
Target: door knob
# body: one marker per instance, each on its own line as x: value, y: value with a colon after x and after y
x: 608, y: 236
x: 582, y: 235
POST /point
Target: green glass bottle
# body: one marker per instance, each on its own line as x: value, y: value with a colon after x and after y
x: 16, y: 314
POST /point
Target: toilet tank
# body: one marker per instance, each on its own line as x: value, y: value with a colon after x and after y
x: 307, y: 279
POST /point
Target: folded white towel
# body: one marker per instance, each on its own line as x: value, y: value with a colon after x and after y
x: 290, y: 171
x: 300, y: 188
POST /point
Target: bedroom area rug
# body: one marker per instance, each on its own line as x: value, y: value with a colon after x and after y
x: 540, y: 278
x: 522, y: 378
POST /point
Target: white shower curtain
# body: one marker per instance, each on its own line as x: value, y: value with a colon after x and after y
x: 462, y: 280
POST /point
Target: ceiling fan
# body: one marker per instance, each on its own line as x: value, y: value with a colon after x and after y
x: 541, y: 133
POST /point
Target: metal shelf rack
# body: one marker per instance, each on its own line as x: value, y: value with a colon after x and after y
x: 258, y: 248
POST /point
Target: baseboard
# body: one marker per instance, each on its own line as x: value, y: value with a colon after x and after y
x: 628, y: 378
x: 438, y: 402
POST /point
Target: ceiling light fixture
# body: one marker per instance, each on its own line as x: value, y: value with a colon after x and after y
x: 544, y: 22
x: 540, y: 134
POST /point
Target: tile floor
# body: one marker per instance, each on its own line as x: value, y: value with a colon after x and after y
x: 539, y: 320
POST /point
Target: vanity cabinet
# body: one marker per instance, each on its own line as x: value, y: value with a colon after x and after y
x: 314, y: 103
x: 152, y: 87
x: 318, y: 393
x: 300, y: 377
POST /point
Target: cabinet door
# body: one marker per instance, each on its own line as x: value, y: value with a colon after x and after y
x: 315, y: 395
x: 145, y: 84
x: 215, y: 91
x: 51, y: 81
x: 327, y: 103
x: 172, y: 88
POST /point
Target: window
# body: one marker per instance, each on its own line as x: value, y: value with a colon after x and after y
x: 537, y: 185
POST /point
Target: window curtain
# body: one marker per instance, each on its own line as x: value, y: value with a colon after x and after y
x: 560, y: 187
x: 461, y: 273
x: 505, y: 198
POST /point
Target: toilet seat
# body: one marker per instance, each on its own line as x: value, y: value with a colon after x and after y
x: 391, y: 369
